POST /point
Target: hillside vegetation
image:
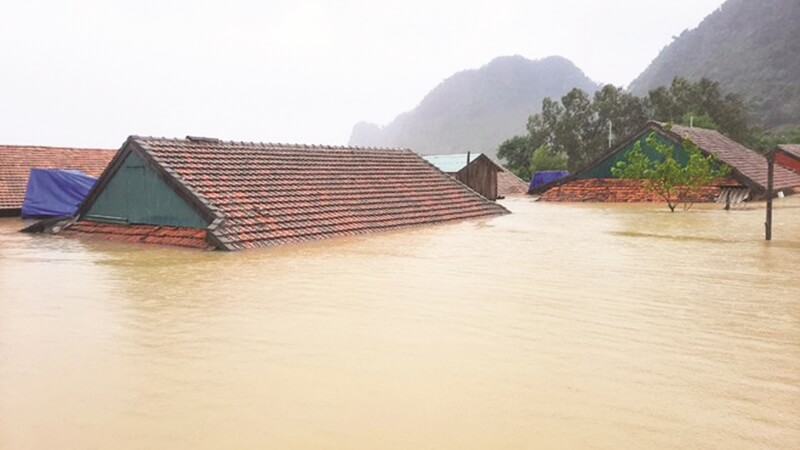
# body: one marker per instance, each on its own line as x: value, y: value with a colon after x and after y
x: 752, y: 48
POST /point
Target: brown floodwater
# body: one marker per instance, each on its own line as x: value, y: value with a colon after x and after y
x: 560, y: 326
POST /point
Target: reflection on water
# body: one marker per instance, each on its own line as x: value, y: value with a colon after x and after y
x: 559, y: 326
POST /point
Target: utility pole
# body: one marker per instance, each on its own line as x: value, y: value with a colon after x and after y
x: 466, y: 178
x: 770, y: 181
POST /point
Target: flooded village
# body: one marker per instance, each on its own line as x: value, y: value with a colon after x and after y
x: 641, y: 329
x: 527, y: 259
x: 600, y: 324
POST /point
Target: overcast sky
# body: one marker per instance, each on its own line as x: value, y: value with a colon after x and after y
x: 90, y: 73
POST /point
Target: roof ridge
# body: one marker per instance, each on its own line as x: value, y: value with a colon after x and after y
x: 50, y: 147
x: 288, y: 145
x: 451, y: 155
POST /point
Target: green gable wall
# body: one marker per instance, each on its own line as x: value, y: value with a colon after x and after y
x: 136, y: 194
x: 603, y: 169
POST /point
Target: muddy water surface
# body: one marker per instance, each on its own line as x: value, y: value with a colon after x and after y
x: 559, y: 326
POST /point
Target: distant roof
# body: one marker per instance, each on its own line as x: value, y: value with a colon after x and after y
x: 748, y: 163
x: 792, y: 149
x: 16, y: 162
x: 510, y: 184
x: 748, y: 166
x: 451, y: 163
x: 267, y: 194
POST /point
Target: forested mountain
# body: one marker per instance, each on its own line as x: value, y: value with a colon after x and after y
x: 476, y: 110
x: 751, y: 47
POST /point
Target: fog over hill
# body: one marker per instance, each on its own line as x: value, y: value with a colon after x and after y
x: 475, y: 110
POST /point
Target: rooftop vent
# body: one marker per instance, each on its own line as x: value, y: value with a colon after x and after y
x: 204, y: 140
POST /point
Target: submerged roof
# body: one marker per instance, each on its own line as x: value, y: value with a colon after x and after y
x: 16, y: 162
x: 453, y: 162
x: 747, y: 166
x: 792, y: 149
x: 257, y: 195
x: 510, y: 184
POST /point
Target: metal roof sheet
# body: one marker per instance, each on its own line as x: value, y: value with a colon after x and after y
x: 451, y: 163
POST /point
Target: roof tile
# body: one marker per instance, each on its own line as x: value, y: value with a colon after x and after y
x: 510, y: 184
x: 747, y: 162
x: 615, y: 190
x: 269, y: 194
x: 792, y: 149
x: 16, y: 162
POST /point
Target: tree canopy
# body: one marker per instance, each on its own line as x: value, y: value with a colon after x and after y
x: 665, y: 176
x: 583, y: 127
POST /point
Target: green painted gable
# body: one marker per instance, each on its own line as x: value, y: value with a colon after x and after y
x: 603, y: 168
x: 136, y: 194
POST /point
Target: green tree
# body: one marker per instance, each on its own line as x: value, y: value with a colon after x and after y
x: 583, y: 127
x: 665, y: 176
x: 544, y: 159
x: 578, y: 126
x: 764, y: 141
x: 701, y: 121
x: 517, y: 153
x: 705, y: 103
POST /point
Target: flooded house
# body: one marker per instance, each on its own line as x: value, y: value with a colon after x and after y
x: 747, y: 178
x: 510, y: 184
x: 788, y: 157
x: 208, y: 193
x: 17, y: 161
x: 480, y: 173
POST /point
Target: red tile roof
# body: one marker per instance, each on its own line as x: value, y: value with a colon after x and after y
x: 510, y: 184
x: 147, y: 234
x: 615, y: 190
x: 747, y: 163
x: 267, y: 194
x: 792, y: 149
x: 16, y: 162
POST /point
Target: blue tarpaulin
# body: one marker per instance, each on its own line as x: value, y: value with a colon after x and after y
x: 55, y: 192
x: 546, y: 176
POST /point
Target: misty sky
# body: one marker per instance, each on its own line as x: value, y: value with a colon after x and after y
x: 90, y: 73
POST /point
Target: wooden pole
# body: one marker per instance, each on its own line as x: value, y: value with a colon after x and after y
x: 466, y: 178
x: 770, y: 182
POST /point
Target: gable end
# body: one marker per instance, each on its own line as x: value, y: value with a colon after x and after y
x: 135, y: 189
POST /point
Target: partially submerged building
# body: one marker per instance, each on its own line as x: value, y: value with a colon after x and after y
x: 480, y: 173
x: 510, y: 184
x: 747, y: 178
x: 782, y: 157
x: 16, y: 162
x: 207, y: 193
x: 788, y: 157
